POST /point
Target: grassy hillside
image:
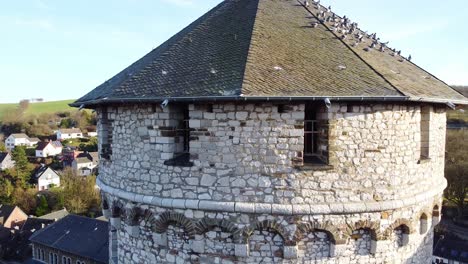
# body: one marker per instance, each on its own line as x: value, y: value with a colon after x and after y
x: 39, y: 108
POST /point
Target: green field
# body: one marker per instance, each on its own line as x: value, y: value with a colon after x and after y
x: 39, y: 108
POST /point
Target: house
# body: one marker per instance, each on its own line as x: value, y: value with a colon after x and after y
x: 19, y: 247
x: 9, y: 215
x: 19, y: 140
x: 6, y: 162
x: 92, y: 134
x: 56, y: 215
x: 69, y: 154
x: 450, y: 251
x: 48, y: 148
x: 73, y: 239
x: 69, y: 133
x: 294, y: 141
x: 86, y: 163
x: 44, y: 177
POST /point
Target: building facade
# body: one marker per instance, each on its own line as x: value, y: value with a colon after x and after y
x: 69, y: 133
x: 259, y: 134
x: 6, y: 162
x: 19, y: 140
x: 72, y: 240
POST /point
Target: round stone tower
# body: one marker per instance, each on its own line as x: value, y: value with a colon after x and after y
x: 260, y: 134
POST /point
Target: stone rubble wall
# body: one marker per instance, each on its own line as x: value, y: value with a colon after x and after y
x: 180, y: 236
x: 249, y: 153
x: 249, y: 198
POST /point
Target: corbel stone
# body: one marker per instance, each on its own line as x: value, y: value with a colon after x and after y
x: 373, y: 246
x: 337, y: 250
x: 241, y: 250
x: 290, y: 252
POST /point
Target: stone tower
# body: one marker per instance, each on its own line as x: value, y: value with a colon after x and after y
x: 272, y: 131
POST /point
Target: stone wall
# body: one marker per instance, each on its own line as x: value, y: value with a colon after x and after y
x: 246, y: 186
x: 181, y: 236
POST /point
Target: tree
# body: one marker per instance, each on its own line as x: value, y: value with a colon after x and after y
x: 19, y: 156
x: 456, y: 169
x: 2, y: 147
x: 6, y: 190
x: 79, y: 193
x: 25, y: 199
x: 43, y: 207
x: 23, y: 106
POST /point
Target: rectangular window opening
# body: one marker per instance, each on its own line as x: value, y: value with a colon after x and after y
x: 425, y: 131
x: 315, y: 136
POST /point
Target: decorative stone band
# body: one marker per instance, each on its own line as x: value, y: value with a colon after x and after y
x: 278, y: 209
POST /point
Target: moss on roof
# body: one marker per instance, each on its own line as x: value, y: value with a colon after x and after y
x: 251, y: 48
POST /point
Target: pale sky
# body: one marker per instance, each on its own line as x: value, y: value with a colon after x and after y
x: 55, y: 49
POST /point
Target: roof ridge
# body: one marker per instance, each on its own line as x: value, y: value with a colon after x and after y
x: 347, y: 46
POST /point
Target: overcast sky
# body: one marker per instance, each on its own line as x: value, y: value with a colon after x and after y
x: 55, y: 49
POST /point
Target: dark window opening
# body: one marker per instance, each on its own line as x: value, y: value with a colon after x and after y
x: 182, y: 133
x: 425, y: 131
x: 106, y: 138
x: 314, y: 136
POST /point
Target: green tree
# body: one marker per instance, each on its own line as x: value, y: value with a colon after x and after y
x: 43, y: 207
x: 2, y: 147
x: 6, y: 190
x: 456, y: 169
x: 19, y: 156
x: 79, y: 193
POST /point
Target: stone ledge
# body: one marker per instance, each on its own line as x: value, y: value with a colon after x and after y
x: 278, y: 209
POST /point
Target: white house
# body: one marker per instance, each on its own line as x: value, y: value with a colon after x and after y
x: 6, y: 162
x: 20, y: 140
x: 92, y: 134
x: 68, y: 133
x: 85, y: 163
x: 46, y: 149
x: 44, y: 177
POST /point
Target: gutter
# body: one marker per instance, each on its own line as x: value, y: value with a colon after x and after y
x: 240, y: 98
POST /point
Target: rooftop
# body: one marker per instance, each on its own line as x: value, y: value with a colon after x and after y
x: 275, y: 49
x: 77, y: 235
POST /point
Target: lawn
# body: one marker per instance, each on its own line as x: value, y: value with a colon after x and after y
x: 39, y: 108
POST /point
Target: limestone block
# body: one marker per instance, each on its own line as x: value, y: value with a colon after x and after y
x: 133, y: 231
x: 191, y: 204
x: 198, y: 246
x: 245, y: 207
x: 160, y: 239
x: 290, y: 252
x: 241, y: 250
x: 106, y: 213
x: 281, y: 209
x: 115, y: 222
x: 382, y: 246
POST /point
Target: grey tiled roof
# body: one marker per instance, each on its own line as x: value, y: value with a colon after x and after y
x: 77, y: 235
x: 266, y: 48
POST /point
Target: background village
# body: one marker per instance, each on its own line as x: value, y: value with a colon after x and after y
x: 48, y: 168
x: 49, y: 200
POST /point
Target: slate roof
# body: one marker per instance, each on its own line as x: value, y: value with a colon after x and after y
x: 3, y: 155
x: 252, y: 49
x: 5, y: 212
x: 70, y: 130
x: 452, y: 250
x: 40, y: 171
x: 77, y: 235
x: 57, y: 215
x: 42, y: 145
